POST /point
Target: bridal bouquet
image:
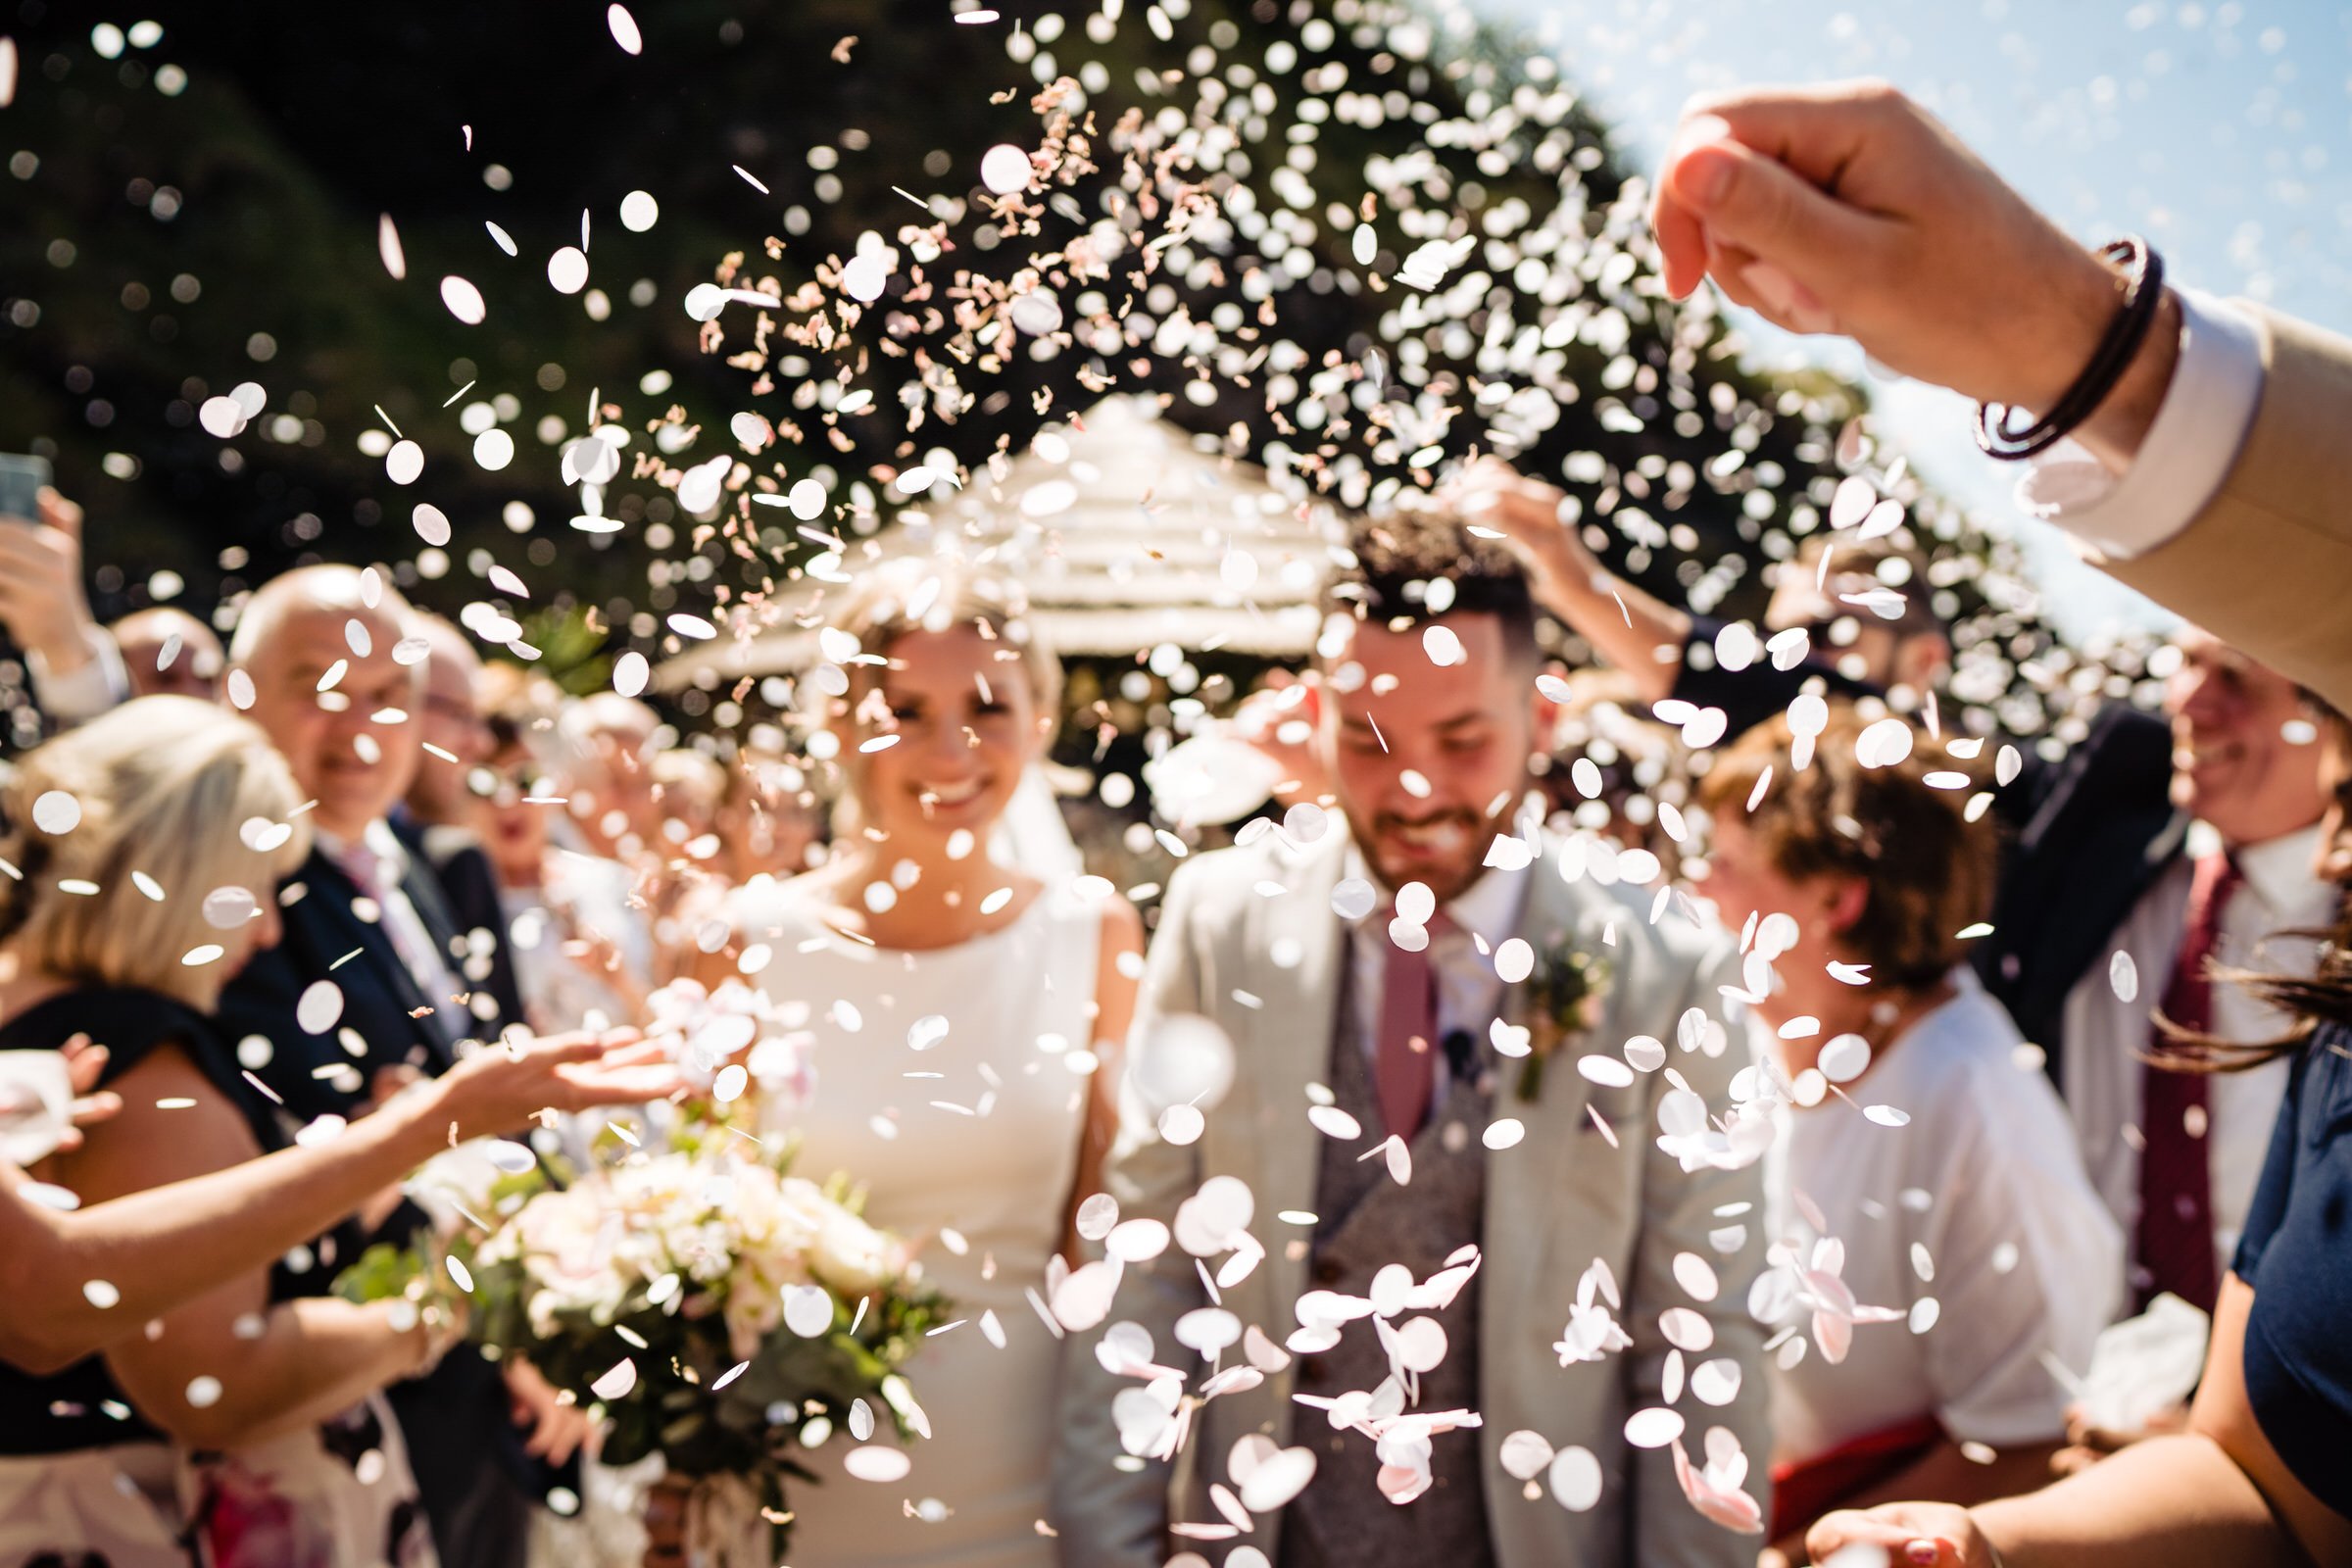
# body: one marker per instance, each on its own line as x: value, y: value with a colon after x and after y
x: 708, y: 1304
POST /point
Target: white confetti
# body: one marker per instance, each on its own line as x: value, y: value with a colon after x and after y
x: 2123, y: 976
x: 877, y: 1464
x: 1576, y: 1477
x: 568, y: 270
x: 1005, y: 169
x: 320, y: 1006
x: 624, y: 29
x: 463, y: 300
x: 630, y: 673
x: 55, y: 811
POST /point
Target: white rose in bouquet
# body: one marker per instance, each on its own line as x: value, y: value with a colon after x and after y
x: 855, y: 1258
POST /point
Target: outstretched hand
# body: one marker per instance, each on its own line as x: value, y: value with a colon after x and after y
x: 500, y: 1087
x: 1912, y: 1535
x: 1526, y: 512
x: 85, y: 1066
x: 1848, y: 209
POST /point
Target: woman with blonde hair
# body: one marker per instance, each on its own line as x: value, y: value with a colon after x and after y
x: 246, y: 1424
x: 1935, y: 1242
x: 957, y: 1017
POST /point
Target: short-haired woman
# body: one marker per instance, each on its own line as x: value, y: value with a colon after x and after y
x: 1935, y: 1242
x: 148, y: 845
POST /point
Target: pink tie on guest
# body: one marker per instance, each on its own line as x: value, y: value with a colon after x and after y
x: 1404, y: 1071
x: 2172, y: 1239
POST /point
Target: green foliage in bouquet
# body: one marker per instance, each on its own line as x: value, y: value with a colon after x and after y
x: 702, y: 1301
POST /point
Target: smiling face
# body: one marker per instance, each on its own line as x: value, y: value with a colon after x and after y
x: 1743, y: 882
x: 966, y: 725
x: 2233, y: 763
x: 514, y: 830
x: 1428, y: 760
x: 354, y: 746
x: 451, y: 720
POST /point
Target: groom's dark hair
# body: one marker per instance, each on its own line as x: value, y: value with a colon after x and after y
x: 1393, y: 561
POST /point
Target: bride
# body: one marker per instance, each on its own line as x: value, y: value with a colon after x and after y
x: 960, y: 1011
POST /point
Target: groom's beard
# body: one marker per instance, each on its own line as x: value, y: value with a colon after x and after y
x: 1441, y: 851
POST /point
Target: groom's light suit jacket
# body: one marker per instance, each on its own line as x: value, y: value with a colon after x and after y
x: 1564, y: 1197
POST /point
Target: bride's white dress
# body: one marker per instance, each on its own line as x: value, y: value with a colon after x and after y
x: 949, y: 1083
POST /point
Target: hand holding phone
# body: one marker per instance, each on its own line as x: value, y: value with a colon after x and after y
x: 23, y: 479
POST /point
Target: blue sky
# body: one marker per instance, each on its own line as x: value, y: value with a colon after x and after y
x: 2221, y: 131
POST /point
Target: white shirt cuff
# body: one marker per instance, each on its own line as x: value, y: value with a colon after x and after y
x: 2186, y: 455
x: 81, y: 694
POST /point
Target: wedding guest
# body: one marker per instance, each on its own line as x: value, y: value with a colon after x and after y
x: 2176, y: 1157
x: 1669, y: 651
x: 268, y: 1388
x: 1971, y: 1247
x: 2258, y: 1476
x: 161, y: 1247
x: 2087, y: 832
x: 450, y: 727
x: 1010, y: 994
x: 76, y: 670
x: 1352, y: 965
x: 771, y: 828
x: 366, y: 918
x: 353, y: 751
x: 611, y: 741
x: 168, y: 653
x: 583, y: 951
x: 687, y: 786
x: 436, y: 820
x: 1279, y: 719
x: 2208, y: 466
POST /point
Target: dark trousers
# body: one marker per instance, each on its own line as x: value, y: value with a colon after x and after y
x: 456, y: 1423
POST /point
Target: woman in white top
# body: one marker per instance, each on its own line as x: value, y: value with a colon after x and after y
x: 1935, y: 1242
x: 961, y: 1014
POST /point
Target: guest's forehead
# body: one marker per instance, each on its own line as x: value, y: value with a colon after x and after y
x: 319, y: 636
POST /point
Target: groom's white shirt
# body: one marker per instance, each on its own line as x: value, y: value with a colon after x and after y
x: 1266, y: 965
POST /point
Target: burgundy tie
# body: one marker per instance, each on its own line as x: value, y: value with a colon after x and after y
x: 1405, y: 1069
x: 2173, y: 1241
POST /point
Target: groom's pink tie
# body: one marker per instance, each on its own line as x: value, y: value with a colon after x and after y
x: 1405, y: 1069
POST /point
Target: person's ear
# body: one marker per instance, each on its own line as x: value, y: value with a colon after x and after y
x: 1309, y: 686
x: 1544, y: 713
x: 1920, y: 659
x: 1847, y: 901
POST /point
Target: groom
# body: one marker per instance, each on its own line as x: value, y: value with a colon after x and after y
x: 1345, y: 994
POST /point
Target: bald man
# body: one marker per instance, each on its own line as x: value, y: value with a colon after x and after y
x: 365, y: 917
x: 168, y: 653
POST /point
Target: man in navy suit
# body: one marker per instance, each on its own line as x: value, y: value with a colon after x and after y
x: 369, y: 985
